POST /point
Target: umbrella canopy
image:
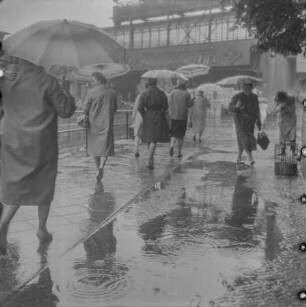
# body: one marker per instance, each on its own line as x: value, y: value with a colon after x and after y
x: 63, y: 42
x: 210, y: 88
x: 193, y: 70
x: 109, y: 70
x: 163, y: 74
x: 237, y: 80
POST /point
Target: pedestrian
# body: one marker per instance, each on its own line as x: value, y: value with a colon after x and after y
x: 245, y: 107
x: 32, y: 100
x: 199, y: 115
x: 264, y: 111
x: 179, y: 103
x: 100, y: 106
x: 138, y: 122
x: 152, y: 107
x: 286, y: 119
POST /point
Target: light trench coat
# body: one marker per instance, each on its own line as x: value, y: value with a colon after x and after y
x: 29, y: 149
x: 100, y: 106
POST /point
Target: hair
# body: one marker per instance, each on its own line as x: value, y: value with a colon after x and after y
x: 281, y: 96
x: 152, y: 81
x: 100, y: 77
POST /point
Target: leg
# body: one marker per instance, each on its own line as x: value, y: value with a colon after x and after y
x: 180, y: 145
x: 239, y: 158
x: 283, y: 149
x: 137, y: 141
x: 97, y: 162
x: 101, y: 167
x: 43, y: 213
x: 172, y: 142
x: 250, y: 157
x: 152, y: 149
x: 292, y: 147
x: 8, y: 212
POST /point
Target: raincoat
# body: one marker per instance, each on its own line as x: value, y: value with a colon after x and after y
x: 286, y: 119
x: 100, y: 106
x: 245, y: 119
x: 29, y: 151
x: 137, y: 118
x: 153, y: 106
x: 199, y: 114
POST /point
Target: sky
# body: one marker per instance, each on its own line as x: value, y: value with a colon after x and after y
x: 18, y: 14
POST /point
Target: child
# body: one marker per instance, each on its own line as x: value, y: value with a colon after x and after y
x: 286, y: 119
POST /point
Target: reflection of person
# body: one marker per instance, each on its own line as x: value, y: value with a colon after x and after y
x: 286, y: 119
x: 29, y: 150
x: 179, y: 102
x: 244, y: 205
x: 153, y: 106
x: 199, y: 115
x: 264, y: 111
x: 100, y: 107
x: 137, y: 120
x: 245, y: 106
x: 101, y: 204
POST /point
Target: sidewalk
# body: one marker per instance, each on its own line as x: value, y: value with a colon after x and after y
x: 81, y: 206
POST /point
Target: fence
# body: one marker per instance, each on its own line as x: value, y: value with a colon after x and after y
x: 71, y: 136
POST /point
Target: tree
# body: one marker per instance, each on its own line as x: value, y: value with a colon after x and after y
x: 278, y: 25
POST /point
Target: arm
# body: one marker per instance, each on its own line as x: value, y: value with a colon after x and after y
x: 232, y: 105
x: 63, y: 103
x: 141, y: 106
x: 258, y: 119
x: 87, y: 103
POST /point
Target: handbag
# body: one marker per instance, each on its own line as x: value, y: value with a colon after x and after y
x: 263, y: 140
x: 83, y: 121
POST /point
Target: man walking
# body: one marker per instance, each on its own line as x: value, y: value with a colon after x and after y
x: 179, y: 102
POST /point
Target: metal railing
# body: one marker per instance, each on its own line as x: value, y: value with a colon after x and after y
x: 76, y: 137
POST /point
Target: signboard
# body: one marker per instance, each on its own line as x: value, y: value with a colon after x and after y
x: 227, y: 53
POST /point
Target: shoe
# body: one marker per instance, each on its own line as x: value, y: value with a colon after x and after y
x: 180, y: 156
x: 252, y: 162
x: 136, y: 155
x: 200, y: 140
x: 171, y: 151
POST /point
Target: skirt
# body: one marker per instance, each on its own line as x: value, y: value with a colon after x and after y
x: 178, y: 128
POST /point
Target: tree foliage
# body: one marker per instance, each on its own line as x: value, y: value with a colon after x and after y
x: 278, y: 25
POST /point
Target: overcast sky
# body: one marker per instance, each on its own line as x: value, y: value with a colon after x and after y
x: 17, y: 14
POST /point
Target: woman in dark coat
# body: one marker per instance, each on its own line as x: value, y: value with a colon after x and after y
x: 245, y: 106
x: 152, y: 107
x: 32, y: 101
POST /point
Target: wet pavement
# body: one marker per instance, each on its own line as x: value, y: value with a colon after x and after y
x: 192, y: 232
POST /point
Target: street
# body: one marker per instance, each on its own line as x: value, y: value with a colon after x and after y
x: 192, y: 232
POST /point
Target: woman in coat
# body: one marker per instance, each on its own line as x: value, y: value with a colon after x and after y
x: 199, y: 115
x: 286, y: 119
x: 153, y: 106
x: 100, y: 107
x: 32, y: 100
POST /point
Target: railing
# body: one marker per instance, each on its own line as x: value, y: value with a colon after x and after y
x: 76, y: 137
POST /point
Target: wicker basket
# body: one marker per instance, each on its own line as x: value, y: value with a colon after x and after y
x: 285, y: 165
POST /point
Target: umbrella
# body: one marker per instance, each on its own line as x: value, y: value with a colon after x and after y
x: 193, y: 70
x: 237, y: 80
x: 163, y: 74
x: 211, y: 88
x: 66, y: 43
x: 109, y: 70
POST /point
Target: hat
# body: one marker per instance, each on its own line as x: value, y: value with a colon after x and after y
x: 247, y: 81
x: 200, y: 93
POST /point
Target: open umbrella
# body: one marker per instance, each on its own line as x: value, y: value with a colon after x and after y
x: 66, y: 43
x: 211, y: 88
x: 110, y: 70
x: 237, y: 80
x: 193, y: 70
x: 163, y: 74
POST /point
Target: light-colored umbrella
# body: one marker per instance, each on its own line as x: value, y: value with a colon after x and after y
x: 237, y: 80
x: 110, y: 70
x: 66, y: 43
x: 163, y: 74
x: 210, y: 88
x: 193, y: 70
